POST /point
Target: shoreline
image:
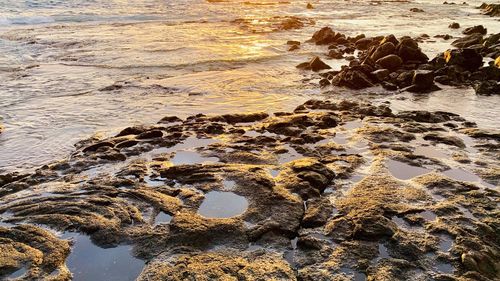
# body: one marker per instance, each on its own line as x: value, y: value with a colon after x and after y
x: 334, y: 189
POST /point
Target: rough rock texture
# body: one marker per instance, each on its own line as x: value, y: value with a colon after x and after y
x: 335, y: 191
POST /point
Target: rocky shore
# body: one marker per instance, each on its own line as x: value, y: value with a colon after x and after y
x: 399, y: 63
x: 331, y: 191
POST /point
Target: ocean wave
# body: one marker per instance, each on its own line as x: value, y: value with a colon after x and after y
x: 25, y: 20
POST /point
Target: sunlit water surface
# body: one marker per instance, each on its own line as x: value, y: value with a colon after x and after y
x: 184, y: 57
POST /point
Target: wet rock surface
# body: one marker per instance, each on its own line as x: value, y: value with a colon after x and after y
x: 331, y: 191
x: 399, y: 63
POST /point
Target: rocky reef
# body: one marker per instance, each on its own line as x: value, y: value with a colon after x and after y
x: 399, y: 63
x: 331, y: 191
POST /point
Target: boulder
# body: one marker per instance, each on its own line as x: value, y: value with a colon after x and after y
x: 390, y: 38
x: 324, y: 36
x: 383, y: 50
x: 468, y: 59
x: 416, y: 10
x: 309, y: 6
x: 334, y: 54
x: 475, y: 29
x: 292, y: 42
x: 381, y: 74
x: 423, y: 79
x: 487, y: 88
x: 468, y: 40
x: 454, y: 25
x: 391, y: 62
x: 497, y: 62
x: 315, y: 64
x: 352, y: 78
x: 293, y: 48
x: 363, y: 43
x: 492, y: 10
x: 407, y: 53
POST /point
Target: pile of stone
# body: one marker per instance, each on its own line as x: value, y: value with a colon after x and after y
x: 399, y: 63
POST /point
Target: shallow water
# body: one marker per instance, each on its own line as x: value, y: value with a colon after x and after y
x: 404, y: 171
x: 183, y: 57
x: 90, y: 262
x: 222, y: 205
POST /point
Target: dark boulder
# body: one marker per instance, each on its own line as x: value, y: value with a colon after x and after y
x: 475, y: 29
x: 492, y: 10
x: 454, y: 25
x: 390, y: 38
x: 468, y: 59
x: 468, y: 40
x: 363, y: 43
x: 324, y: 36
x: 334, y: 54
x: 416, y: 10
x: 381, y: 74
x: 383, y: 50
x: 422, y: 82
x: 391, y: 62
x: 352, y: 78
x: 315, y: 64
x: 487, y: 88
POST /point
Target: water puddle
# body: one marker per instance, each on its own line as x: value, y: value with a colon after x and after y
x: 153, y: 182
x: 405, y: 225
x: 289, y: 156
x: 351, y: 125
x: 340, y: 138
x: 445, y: 243
x: 229, y: 184
x: 162, y: 218
x: 90, y: 262
x: 429, y: 151
x: 382, y: 252
x: 219, y: 204
x: 428, y: 215
x: 466, y: 213
x: 18, y: 273
x: 357, y: 276
x: 289, y: 256
x: 463, y: 175
x: 444, y: 267
x: 185, y: 157
x: 404, y: 171
x: 274, y: 173
x: 254, y: 134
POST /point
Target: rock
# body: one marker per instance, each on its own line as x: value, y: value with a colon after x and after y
x: 497, y: 62
x: 493, y: 39
x: 309, y: 6
x: 468, y: 40
x: 422, y: 82
x: 324, y: 36
x: 315, y: 64
x: 293, y: 48
x: 389, y: 86
x: 381, y: 74
x: 334, y: 54
x: 475, y: 29
x: 391, y: 62
x: 324, y: 82
x: 469, y: 59
x: 383, y: 50
x: 352, y: 78
x: 487, y: 88
x: 98, y: 145
x: 416, y: 10
x: 363, y: 43
x: 390, y: 38
x: 454, y: 25
x: 292, y: 42
x: 492, y: 10
x: 150, y: 134
x: 408, y: 50
x: 423, y: 79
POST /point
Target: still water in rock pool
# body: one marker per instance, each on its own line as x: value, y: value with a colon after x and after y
x: 90, y: 262
x: 219, y: 204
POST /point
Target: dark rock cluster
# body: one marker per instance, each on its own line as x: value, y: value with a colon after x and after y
x: 399, y: 63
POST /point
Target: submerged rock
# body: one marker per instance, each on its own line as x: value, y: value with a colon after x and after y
x: 315, y: 64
